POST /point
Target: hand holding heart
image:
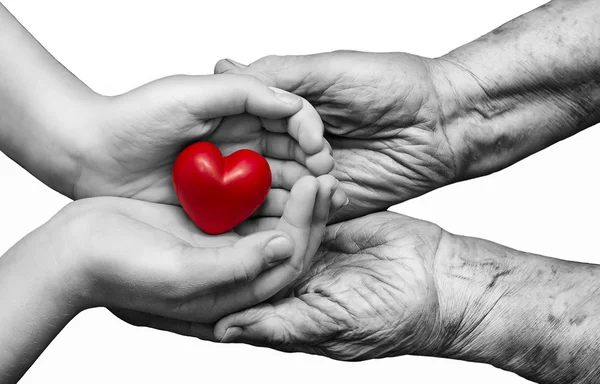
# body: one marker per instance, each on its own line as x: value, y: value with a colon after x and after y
x: 220, y: 274
x: 131, y: 153
x: 131, y: 141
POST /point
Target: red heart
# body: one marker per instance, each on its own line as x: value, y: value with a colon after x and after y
x: 217, y: 192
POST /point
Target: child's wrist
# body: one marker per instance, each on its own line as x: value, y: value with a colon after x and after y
x: 73, y: 134
x: 63, y: 262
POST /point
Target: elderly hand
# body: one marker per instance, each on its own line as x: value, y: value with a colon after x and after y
x: 383, y: 118
x: 387, y: 285
x: 371, y: 292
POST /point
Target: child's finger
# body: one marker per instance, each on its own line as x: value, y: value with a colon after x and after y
x: 296, y: 223
x: 202, y: 269
x: 286, y: 173
x: 338, y: 201
x: 285, y: 147
x: 251, y: 226
x: 305, y: 126
x: 274, y: 204
x: 327, y: 187
x: 226, y: 95
x: 320, y: 163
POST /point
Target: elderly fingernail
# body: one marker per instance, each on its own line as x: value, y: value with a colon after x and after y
x: 235, y: 63
x: 231, y: 334
x: 279, y: 248
x: 286, y: 97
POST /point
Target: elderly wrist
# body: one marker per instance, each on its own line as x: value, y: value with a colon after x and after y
x: 462, y: 106
x: 524, y: 313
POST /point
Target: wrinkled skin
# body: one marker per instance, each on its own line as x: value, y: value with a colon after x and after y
x: 369, y: 294
x: 382, y: 117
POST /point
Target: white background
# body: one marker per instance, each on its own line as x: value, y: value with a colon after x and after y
x: 546, y: 204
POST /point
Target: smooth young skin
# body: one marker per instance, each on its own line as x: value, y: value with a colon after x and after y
x: 402, y: 125
x: 145, y: 259
x: 386, y: 285
x: 84, y: 145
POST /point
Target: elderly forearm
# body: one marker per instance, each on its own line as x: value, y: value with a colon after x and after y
x: 536, y: 316
x: 40, y: 102
x: 524, y: 86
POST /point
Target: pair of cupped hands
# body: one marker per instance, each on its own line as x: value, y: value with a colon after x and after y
x: 318, y: 268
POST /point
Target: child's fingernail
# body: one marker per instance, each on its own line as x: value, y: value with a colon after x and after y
x: 279, y: 248
x: 346, y: 202
x: 231, y: 334
x: 334, y: 188
x: 235, y: 63
x: 286, y: 97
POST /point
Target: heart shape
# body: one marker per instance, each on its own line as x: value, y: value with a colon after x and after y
x: 217, y: 192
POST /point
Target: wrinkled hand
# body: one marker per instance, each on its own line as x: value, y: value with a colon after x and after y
x: 146, y: 258
x: 382, y: 117
x: 370, y: 293
x: 132, y: 140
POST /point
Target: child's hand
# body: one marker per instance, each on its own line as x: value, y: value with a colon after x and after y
x: 132, y: 140
x: 146, y: 260
x: 151, y: 258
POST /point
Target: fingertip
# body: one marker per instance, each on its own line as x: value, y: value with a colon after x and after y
x: 230, y: 335
x: 328, y: 183
x: 327, y: 187
x: 288, y: 98
x: 339, y: 198
x: 222, y: 66
x: 225, y: 65
x: 227, y: 322
x: 306, y: 185
x: 280, y: 247
x: 311, y: 140
x: 320, y: 163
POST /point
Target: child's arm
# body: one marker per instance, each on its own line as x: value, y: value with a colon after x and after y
x: 40, y: 105
x: 83, y: 144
